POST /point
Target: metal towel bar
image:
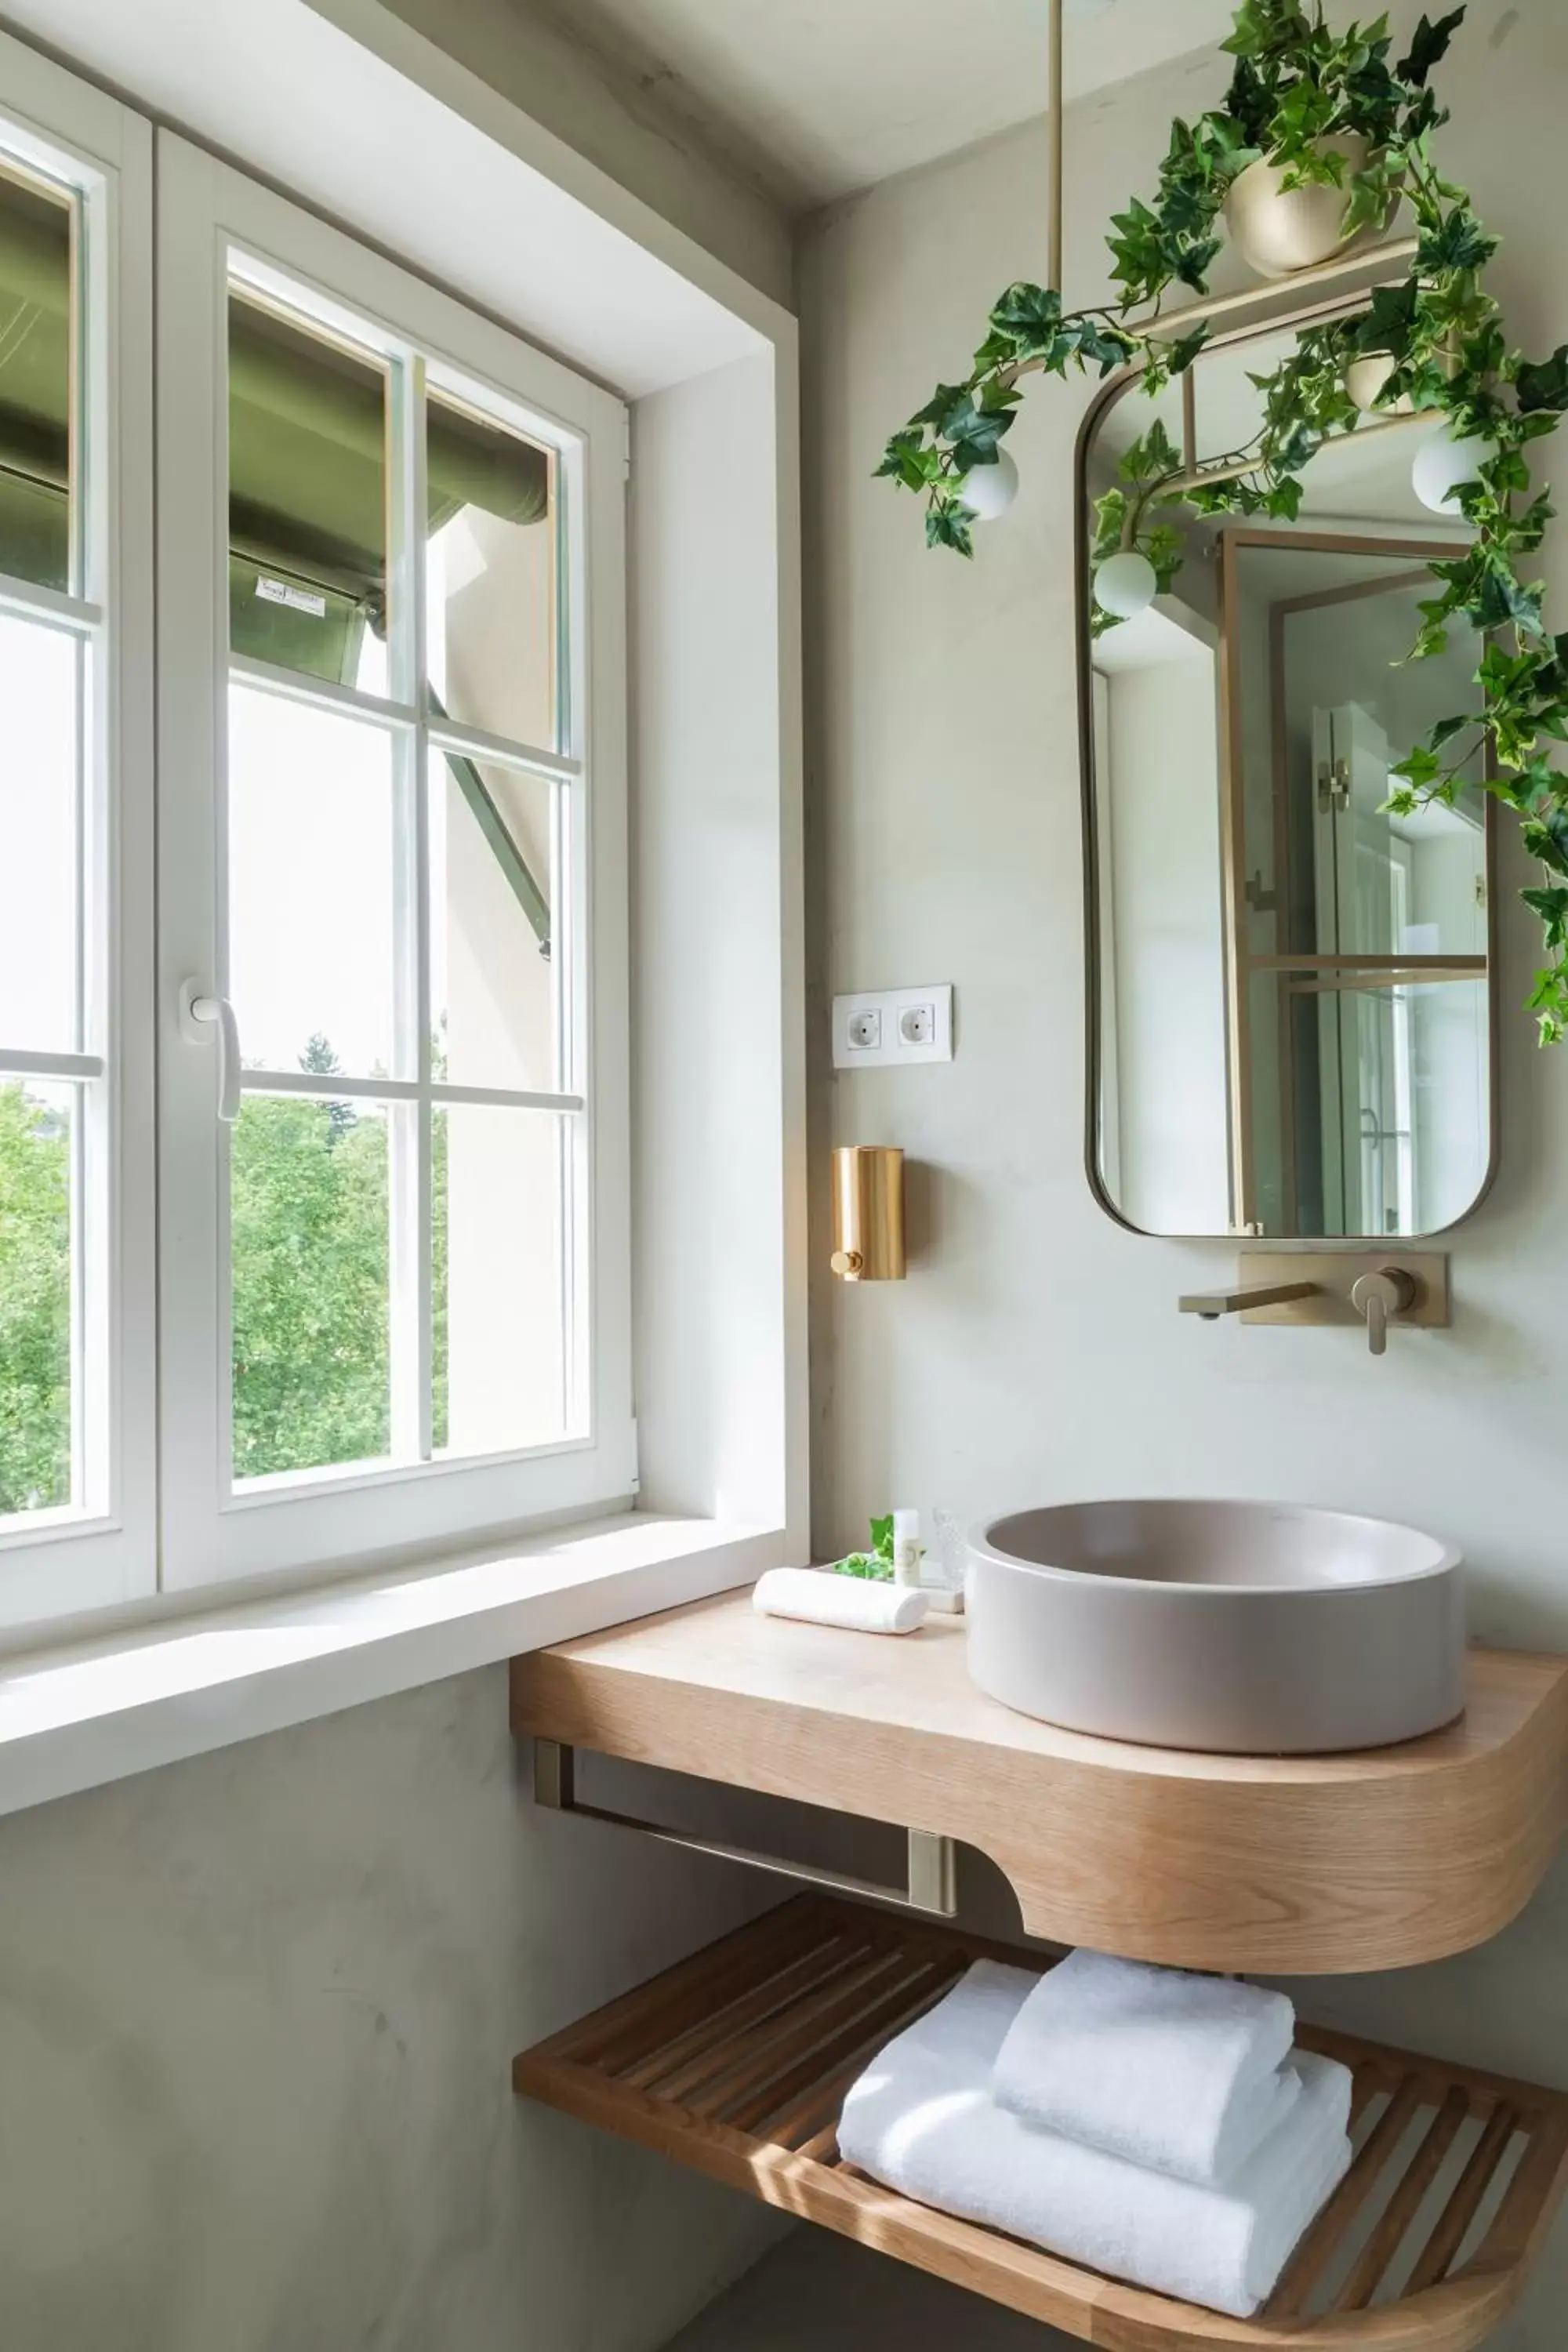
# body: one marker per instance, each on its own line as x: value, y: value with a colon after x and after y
x: 930, y: 1880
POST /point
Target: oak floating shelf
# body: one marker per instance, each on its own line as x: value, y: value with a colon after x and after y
x: 1298, y: 1865
x: 736, y: 2063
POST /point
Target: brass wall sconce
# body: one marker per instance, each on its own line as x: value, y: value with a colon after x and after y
x: 868, y: 1212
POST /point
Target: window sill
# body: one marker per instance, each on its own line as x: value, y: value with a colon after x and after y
x: 94, y: 1711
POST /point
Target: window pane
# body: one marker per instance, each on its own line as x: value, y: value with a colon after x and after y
x: 492, y: 893
x: 307, y: 497
x: 308, y: 1221
x: 37, y: 312
x: 39, y: 749
x: 311, y: 868
x: 34, y: 1295
x: 490, y: 572
x: 499, y: 1345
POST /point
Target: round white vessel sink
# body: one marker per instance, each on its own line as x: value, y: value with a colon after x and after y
x: 1247, y: 1628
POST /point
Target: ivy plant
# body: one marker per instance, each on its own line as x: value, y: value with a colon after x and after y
x: 1298, y: 87
x: 876, y: 1566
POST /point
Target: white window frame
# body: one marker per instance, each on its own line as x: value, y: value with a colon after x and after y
x: 103, y: 1554
x: 212, y: 1532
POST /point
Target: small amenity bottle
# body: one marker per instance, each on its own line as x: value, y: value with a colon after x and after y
x: 906, y: 1547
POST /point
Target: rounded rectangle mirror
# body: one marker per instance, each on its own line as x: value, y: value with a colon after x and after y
x: 1291, y: 988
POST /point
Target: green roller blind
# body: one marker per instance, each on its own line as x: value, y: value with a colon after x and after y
x: 35, y: 383
x: 307, y: 435
x: 307, y: 484
x: 308, y: 490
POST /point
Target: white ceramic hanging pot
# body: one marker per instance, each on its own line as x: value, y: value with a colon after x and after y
x: 1365, y: 381
x: 1279, y: 230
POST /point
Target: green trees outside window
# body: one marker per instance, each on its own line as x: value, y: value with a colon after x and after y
x: 308, y: 1214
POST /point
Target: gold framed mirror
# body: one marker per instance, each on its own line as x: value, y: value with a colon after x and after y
x: 1291, y: 999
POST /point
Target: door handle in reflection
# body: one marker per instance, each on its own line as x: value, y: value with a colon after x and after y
x: 201, y: 1014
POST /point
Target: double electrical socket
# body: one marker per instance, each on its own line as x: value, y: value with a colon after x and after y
x: 892, y: 1026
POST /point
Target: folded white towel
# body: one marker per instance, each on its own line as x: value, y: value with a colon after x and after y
x: 853, y: 1601
x: 922, y: 2120
x: 1184, y: 2074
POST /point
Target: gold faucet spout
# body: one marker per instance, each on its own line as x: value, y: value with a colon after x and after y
x: 1212, y: 1304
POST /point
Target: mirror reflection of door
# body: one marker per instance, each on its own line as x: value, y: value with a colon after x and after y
x: 1360, y: 1002
x: 1362, y: 879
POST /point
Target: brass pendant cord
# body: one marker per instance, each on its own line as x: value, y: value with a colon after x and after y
x: 1058, y: 183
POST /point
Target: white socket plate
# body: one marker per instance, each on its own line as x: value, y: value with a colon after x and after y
x: 890, y: 1028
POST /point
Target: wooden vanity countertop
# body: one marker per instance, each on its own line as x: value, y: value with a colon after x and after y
x: 1298, y: 1865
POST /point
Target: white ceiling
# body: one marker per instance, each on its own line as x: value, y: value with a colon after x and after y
x: 813, y: 99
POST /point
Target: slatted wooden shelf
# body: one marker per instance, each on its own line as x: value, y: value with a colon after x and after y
x: 736, y: 2063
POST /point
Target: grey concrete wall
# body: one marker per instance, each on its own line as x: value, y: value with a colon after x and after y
x: 257, y: 2018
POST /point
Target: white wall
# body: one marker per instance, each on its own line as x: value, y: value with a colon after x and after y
x: 718, y: 1094
x: 1035, y: 1351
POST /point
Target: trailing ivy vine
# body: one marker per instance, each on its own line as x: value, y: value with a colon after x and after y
x: 1296, y: 84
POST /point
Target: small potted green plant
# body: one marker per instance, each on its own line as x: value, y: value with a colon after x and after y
x: 875, y: 1566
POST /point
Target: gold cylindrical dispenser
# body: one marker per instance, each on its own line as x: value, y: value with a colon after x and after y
x: 868, y: 1212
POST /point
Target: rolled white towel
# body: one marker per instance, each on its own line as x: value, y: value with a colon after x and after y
x: 922, y: 2119
x: 852, y: 1602
x: 1184, y: 2074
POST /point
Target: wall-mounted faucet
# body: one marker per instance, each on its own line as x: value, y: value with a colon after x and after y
x: 1333, y: 1286
x: 1390, y: 1291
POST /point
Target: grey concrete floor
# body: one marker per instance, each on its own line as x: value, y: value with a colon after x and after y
x: 818, y: 2293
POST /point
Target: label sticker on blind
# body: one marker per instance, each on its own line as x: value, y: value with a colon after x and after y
x: 299, y: 600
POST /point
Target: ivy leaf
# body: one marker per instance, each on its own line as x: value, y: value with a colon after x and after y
x: 1196, y: 261
x: 1546, y: 837
x: 1549, y: 1002
x: 868, y: 1564
x: 974, y: 435
x: 1447, y: 729
x: 1552, y: 906
x: 942, y: 401
x: 1102, y: 345
x: 1109, y: 522
x: 1152, y: 458
x: 1429, y: 47
x: 948, y: 525
x: 1420, y: 769
x: 1030, y: 316
x: 908, y: 458
x: 1390, y: 323
x: 1504, y: 601
x: 1459, y: 244
x: 1543, y: 384
x: 1185, y: 349
x: 1423, y: 115
x: 882, y: 1537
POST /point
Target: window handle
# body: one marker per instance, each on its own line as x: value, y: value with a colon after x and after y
x: 199, y: 1014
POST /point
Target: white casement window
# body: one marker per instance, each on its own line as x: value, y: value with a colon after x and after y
x: 392, y: 915
x: 76, y: 1370
x: 391, y: 932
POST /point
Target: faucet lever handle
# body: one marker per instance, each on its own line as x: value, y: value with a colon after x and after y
x: 1390, y: 1291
